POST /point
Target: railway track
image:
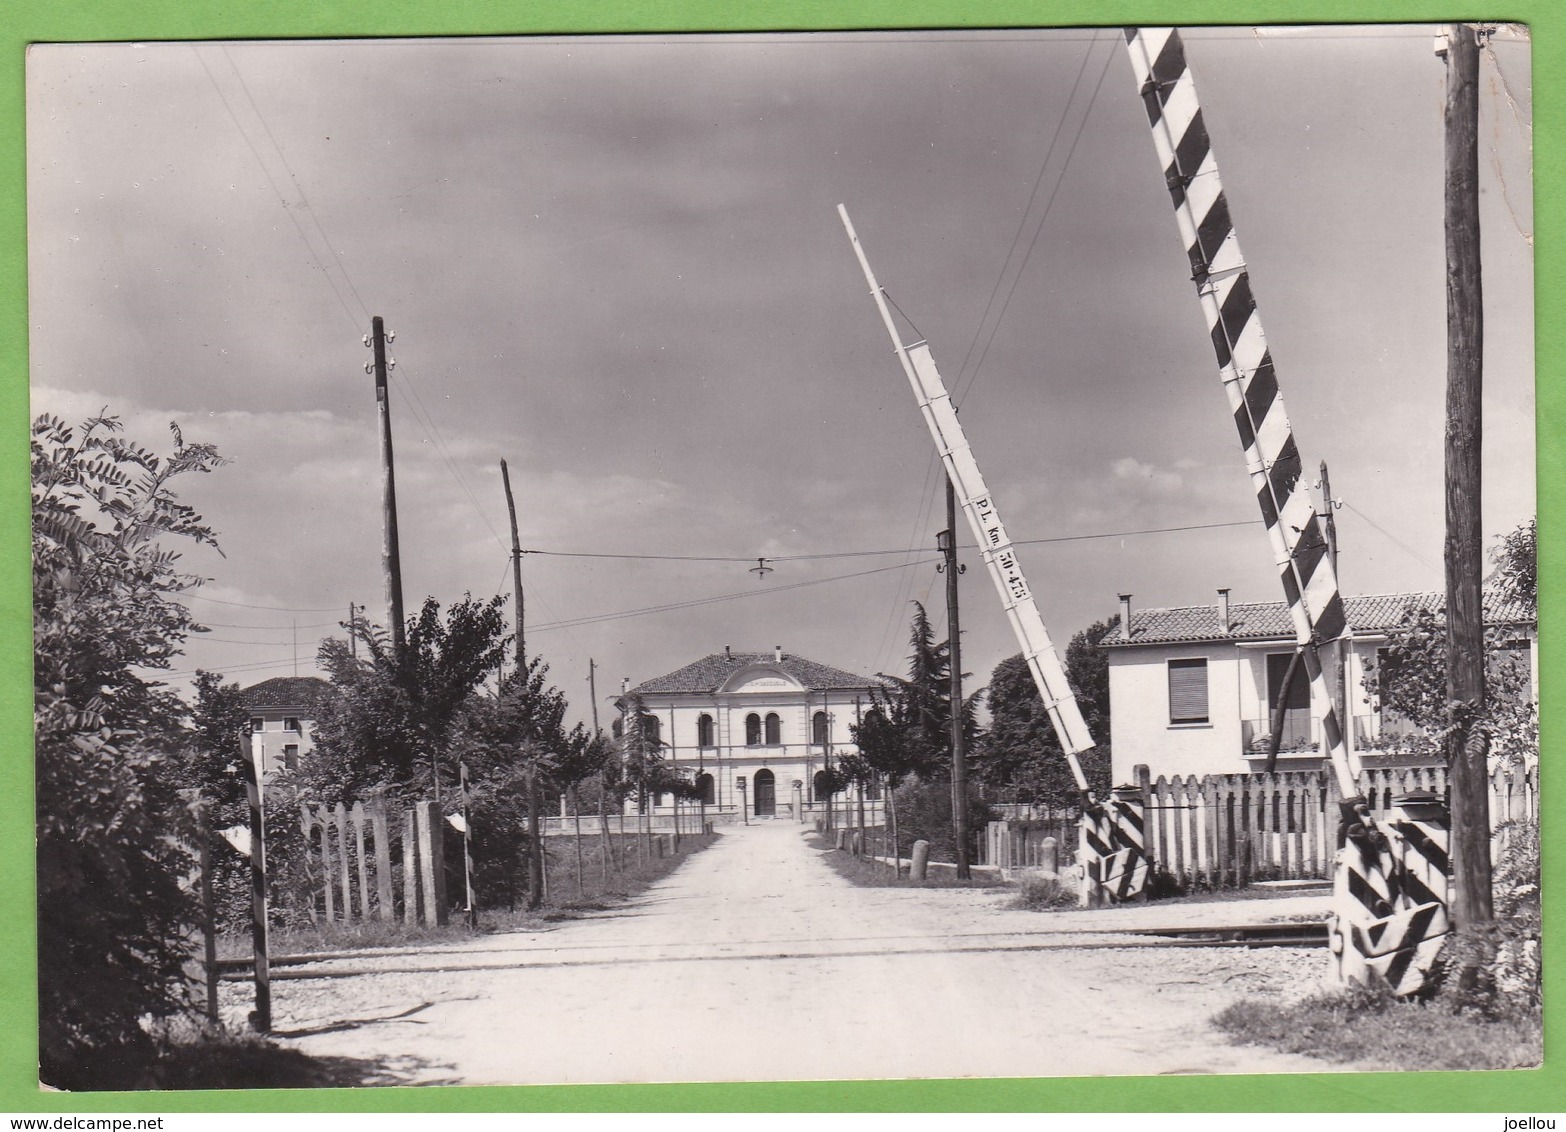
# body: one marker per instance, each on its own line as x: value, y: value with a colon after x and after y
x: 1284, y: 934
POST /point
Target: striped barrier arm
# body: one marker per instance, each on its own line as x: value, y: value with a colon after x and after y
x: 1000, y: 558
x: 1369, y: 881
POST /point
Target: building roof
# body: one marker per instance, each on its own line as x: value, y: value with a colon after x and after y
x: 303, y: 692
x: 1259, y: 621
x: 710, y: 673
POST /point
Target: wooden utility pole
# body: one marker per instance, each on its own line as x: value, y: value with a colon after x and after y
x: 535, y: 844
x: 1344, y: 648
x: 948, y: 541
x: 391, y: 557
x: 516, y: 571
x: 1467, y: 746
x: 592, y: 691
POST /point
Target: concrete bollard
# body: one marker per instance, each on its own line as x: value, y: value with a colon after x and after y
x: 1049, y: 856
x: 841, y: 834
x: 857, y: 845
x: 919, y: 863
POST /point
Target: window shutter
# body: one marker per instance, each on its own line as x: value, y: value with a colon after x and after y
x: 1188, y: 691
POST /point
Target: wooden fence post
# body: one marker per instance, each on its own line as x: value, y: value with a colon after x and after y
x: 410, y: 867
x: 356, y: 816
x: 340, y: 821
x: 432, y: 858
x: 383, y: 884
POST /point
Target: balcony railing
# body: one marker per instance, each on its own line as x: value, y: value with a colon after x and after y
x: 1301, y: 733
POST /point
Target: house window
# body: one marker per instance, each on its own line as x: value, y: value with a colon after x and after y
x: 1188, y: 690
x: 753, y: 730
x: 818, y: 729
x: 774, y: 729
x: 704, y: 731
x: 257, y: 724
x: 290, y: 723
x: 705, y: 787
x: 291, y: 757
x: 652, y: 730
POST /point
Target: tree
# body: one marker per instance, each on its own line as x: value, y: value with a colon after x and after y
x: 906, y: 732
x: 389, y: 722
x: 911, y: 732
x: 1516, y: 561
x: 1409, y: 675
x: 1020, y: 752
x: 112, y: 918
x: 513, y: 744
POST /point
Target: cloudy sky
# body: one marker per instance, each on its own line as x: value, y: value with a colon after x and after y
x: 616, y: 264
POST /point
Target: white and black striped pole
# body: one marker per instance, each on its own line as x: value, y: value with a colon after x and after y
x: 1368, y: 885
x: 1110, y: 850
x: 261, y: 1019
x: 467, y: 854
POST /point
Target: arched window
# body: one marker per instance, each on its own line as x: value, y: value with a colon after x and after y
x: 819, y: 789
x: 704, y: 785
x: 818, y: 729
x: 753, y: 730
x: 774, y: 729
x: 654, y: 730
x: 704, y: 731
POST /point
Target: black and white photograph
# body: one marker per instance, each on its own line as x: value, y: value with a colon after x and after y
x: 774, y: 557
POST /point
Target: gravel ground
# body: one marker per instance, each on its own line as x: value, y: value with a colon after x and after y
x: 755, y: 961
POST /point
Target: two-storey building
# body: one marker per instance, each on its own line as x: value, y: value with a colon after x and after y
x: 756, y: 731
x: 282, y: 712
x: 1196, y: 689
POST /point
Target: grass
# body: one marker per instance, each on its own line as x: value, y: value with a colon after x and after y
x: 562, y: 902
x: 1378, y: 1031
x: 872, y: 874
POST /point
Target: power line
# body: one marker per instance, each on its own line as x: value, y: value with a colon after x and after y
x: 597, y: 618
x: 1392, y: 537
x: 897, y: 550
x: 270, y: 608
x: 1022, y: 222
x: 1038, y: 231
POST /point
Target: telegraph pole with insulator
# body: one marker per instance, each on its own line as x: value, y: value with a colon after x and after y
x: 947, y: 542
x: 391, y: 557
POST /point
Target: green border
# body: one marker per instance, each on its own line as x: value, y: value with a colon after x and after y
x: 25, y: 21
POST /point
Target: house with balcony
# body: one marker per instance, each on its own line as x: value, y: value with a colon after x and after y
x: 1195, y: 689
x: 755, y: 731
x: 282, y: 712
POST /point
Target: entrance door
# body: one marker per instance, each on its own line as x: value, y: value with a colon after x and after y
x: 766, y: 794
x: 1295, y: 700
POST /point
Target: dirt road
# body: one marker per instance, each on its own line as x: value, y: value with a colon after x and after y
x: 755, y: 961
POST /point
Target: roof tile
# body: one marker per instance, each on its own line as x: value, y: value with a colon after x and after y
x: 710, y: 672
x: 1369, y: 613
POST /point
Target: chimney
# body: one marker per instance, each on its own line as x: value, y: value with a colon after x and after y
x: 727, y: 655
x: 1125, y: 617
x: 1223, y: 610
x: 777, y: 654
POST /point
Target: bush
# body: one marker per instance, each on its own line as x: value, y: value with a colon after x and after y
x: 1043, y: 894
x: 924, y: 813
x: 1504, y: 955
x: 113, y: 914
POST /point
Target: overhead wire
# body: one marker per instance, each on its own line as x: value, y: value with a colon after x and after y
x: 594, y: 619
x: 826, y: 555
x: 1038, y: 231
x: 1022, y: 222
x: 405, y: 386
x: 1392, y: 537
